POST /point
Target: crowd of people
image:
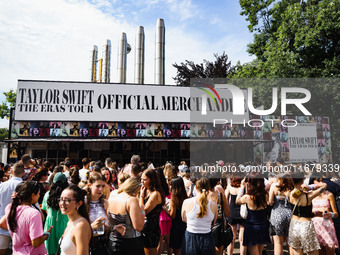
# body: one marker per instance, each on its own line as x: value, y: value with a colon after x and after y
x: 138, y: 208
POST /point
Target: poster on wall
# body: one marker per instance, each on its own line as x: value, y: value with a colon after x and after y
x: 303, y: 143
x: 309, y: 140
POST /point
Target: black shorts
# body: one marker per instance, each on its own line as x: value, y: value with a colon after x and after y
x: 233, y: 221
x: 151, y: 234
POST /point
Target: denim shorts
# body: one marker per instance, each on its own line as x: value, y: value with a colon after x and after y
x: 198, y: 244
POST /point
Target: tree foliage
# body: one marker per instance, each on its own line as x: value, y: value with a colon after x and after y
x: 220, y: 68
x: 3, y: 133
x: 292, y: 38
x: 5, y: 106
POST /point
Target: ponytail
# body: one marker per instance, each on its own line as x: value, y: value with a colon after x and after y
x: 203, y: 204
x: 12, y: 214
x: 23, y: 194
x: 203, y: 186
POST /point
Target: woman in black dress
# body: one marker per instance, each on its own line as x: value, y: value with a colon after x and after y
x: 256, y: 228
x: 235, y: 217
x: 178, y: 195
x: 151, y: 200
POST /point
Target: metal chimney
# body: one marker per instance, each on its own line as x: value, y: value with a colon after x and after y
x: 107, y: 62
x: 94, y: 64
x: 122, y: 53
x: 160, y: 52
x: 139, y: 56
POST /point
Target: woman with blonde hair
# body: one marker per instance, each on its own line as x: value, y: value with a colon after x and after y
x: 125, y: 210
x: 169, y: 172
x: 122, y: 177
x: 200, y: 214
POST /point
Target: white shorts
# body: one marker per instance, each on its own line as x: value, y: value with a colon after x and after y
x: 4, y: 242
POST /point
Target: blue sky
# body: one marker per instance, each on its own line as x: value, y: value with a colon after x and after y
x: 52, y: 40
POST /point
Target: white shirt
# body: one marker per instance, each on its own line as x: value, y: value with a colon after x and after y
x: 82, y: 174
x: 6, y: 190
x: 67, y: 174
x: 199, y: 225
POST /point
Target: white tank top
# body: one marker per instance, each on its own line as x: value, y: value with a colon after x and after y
x: 67, y: 246
x: 199, y: 225
x: 185, y: 185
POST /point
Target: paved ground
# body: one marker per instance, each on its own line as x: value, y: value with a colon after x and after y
x: 269, y: 249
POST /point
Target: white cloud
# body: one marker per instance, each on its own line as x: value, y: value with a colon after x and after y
x: 185, y: 9
x: 216, y: 21
x: 52, y: 40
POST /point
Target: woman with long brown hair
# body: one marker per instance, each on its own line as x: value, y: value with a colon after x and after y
x: 235, y: 219
x: 152, y: 200
x: 24, y: 222
x: 54, y: 217
x: 77, y: 235
x: 74, y: 175
x: 256, y: 229
x: 302, y: 236
x: 216, y: 194
x: 324, y: 210
x: 177, y: 230
x: 97, y: 207
x: 107, y: 175
x: 281, y: 212
x: 41, y: 176
x: 200, y: 214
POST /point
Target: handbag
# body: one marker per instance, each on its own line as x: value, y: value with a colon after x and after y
x: 244, y: 211
x: 223, y: 233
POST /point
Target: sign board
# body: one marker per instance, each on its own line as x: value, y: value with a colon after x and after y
x: 303, y: 143
x: 70, y: 101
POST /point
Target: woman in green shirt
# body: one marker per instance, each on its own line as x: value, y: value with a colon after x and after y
x: 54, y: 217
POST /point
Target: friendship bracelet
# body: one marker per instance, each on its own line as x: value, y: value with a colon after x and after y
x: 47, y: 234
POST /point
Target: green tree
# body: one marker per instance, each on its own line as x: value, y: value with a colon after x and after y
x: 292, y: 38
x: 3, y: 133
x: 220, y: 68
x: 5, y: 106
